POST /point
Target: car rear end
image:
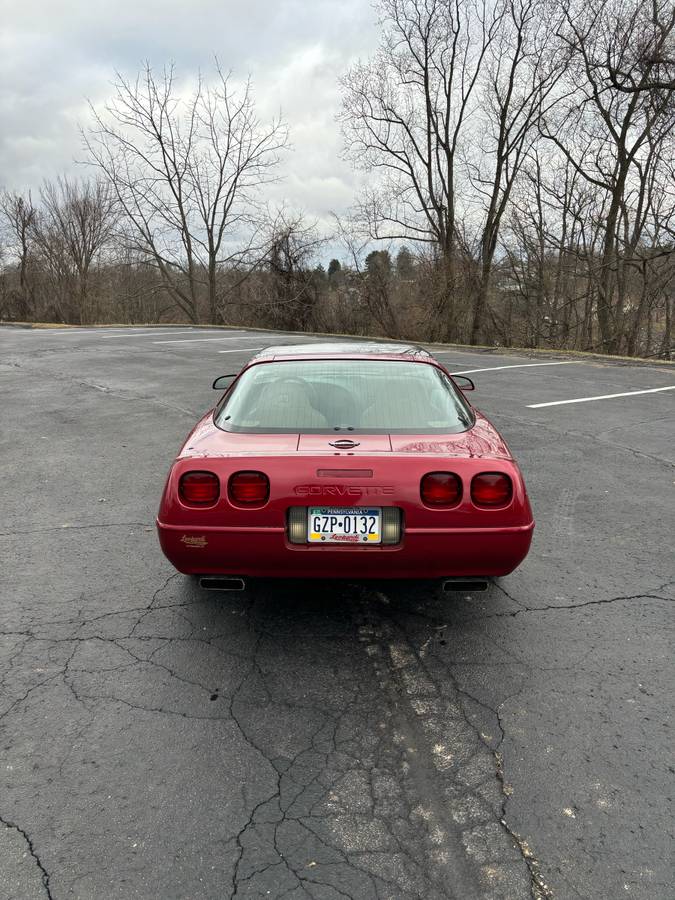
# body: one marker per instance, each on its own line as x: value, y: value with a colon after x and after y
x: 340, y: 465
x: 435, y: 517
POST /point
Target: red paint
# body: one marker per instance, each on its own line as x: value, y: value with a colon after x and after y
x: 231, y: 538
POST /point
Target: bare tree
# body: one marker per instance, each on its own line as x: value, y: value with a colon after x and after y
x: 371, y: 276
x: 403, y: 116
x: 520, y: 74
x: 290, y: 283
x: 612, y: 127
x: 443, y: 112
x: 522, y: 149
x: 636, y: 63
x: 187, y: 173
x: 19, y: 214
x: 550, y: 233
x: 75, y: 222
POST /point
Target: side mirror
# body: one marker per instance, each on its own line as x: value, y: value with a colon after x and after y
x: 464, y: 383
x: 222, y: 382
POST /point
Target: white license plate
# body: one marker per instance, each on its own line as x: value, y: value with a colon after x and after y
x: 352, y: 525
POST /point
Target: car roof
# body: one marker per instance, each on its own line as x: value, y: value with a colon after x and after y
x: 343, y: 349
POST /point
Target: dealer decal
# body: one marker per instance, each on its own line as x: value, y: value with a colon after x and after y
x: 194, y: 540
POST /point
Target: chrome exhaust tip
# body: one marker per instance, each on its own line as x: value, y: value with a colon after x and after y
x: 221, y: 583
x: 466, y: 585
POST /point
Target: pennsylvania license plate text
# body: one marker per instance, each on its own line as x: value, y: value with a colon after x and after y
x: 352, y: 525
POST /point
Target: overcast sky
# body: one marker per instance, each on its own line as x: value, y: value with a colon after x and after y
x: 56, y: 53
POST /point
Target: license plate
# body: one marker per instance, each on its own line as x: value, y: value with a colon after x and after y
x: 352, y: 525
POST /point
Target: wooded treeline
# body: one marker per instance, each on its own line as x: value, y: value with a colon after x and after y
x: 520, y: 160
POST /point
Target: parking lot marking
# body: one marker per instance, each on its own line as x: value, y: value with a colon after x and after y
x: 154, y: 333
x: 240, y: 350
x: 74, y: 330
x: 198, y: 340
x: 566, y: 362
x: 600, y: 397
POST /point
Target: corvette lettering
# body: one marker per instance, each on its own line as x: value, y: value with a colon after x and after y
x: 343, y: 490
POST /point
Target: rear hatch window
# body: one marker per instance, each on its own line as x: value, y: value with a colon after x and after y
x: 344, y: 395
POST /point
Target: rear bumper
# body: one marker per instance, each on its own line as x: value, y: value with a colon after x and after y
x: 422, y: 553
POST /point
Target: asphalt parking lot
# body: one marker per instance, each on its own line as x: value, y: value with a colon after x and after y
x: 329, y: 740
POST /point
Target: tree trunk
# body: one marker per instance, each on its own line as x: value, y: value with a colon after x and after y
x: 214, y: 314
x: 667, y: 344
x: 480, y: 302
x: 448, y: 288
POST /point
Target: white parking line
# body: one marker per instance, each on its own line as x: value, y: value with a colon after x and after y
x: 240, y: 337
x: 74, y: 330
x: 567, y: 362
x: 600, y: 397
x: 240, y: 350
x: 155, y: 333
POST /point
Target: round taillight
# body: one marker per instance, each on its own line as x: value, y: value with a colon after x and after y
x: 249, y: 488
x: 491, y: 489
x: 441, y: 489
x: 199, y: 488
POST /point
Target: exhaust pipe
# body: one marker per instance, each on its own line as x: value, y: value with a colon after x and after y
x: 221, y: 583
x: 466, y: 585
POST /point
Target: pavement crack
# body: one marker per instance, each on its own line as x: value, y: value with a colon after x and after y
x: 151, y: 605
x: 538, y: 886
x: 513, y: 599
x: 27, y: 694
x: 572, y: 606
x: 119, y: 394
x: 33, y: 853
x: 540, y: 889
x: 640, y: 454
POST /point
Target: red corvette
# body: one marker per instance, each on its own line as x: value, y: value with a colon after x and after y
x: 344, y: 461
